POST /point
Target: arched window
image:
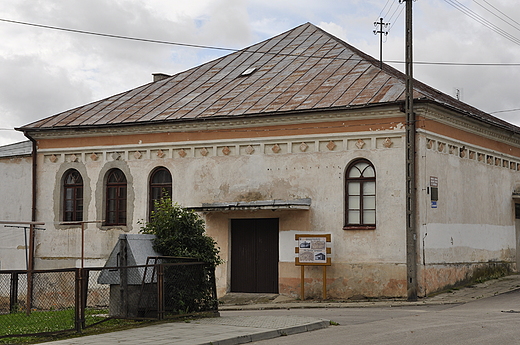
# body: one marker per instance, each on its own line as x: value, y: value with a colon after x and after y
x: 360, y: 195
x: 115, y: 198
x: 72, y: 196
x: 160, y: 186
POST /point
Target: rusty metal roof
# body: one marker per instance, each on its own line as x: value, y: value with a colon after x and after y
x: 304, y: 69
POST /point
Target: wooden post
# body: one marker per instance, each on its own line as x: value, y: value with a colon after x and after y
x: 302, y: 294
x: 321, y: 252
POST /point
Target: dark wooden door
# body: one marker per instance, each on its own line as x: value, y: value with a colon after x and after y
x: 254, y: 255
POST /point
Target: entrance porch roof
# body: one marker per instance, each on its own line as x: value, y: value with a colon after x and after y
x: 296, y: 204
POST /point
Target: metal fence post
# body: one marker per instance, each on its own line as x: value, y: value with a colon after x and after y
x: 213, y: 286
x: 30, y: 272
x: 13, y: 295
x: 78, y: 314
x: 160, y: 292
x: 123, y: 276
x: 84, y: 294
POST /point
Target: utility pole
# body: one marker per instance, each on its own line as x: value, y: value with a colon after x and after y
x: 411, y: 204
x: 381, y: 33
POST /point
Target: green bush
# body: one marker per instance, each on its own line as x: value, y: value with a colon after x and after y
x: 181, y: 233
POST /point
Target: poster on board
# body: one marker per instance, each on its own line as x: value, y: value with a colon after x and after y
x: 312, y: 250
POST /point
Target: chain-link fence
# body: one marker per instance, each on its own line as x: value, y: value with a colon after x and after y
x: 37, y: 302
x: 72, y: 299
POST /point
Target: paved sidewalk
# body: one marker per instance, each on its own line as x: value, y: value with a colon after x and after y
x: 231, y: 330
x: 216, y: 331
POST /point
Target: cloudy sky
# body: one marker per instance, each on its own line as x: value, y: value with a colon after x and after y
x: 45, y: 71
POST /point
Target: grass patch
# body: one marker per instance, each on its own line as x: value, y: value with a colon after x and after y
x: 54, y: 323
x: 36, y: 322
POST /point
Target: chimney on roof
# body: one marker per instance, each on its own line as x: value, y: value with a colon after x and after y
x: 160, y: 76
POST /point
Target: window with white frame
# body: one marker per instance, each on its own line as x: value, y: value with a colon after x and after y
x: 360, y: 195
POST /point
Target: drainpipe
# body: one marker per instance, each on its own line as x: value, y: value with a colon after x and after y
x: 30, y: 268
x: 34, y: 179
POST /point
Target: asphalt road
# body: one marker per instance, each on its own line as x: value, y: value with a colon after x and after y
x: 493, y: 320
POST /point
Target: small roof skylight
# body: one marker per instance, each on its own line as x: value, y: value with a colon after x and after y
x: 248, y: 71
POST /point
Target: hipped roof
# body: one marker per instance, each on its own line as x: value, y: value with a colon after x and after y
x: 302, y: 70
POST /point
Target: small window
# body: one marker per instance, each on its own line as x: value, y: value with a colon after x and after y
x: 160, y: 186
x: 360, y: 195
x: 517, y: 211
x: 115, y: 198
x: 72, y: 196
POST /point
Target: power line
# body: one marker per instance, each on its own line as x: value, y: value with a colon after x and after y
x: 480, y: 64
x: 475, y: 16
x: 381, y: 13
x: 498, y: 16
x: 504, y: 111
x: 396, y: 17
x: 505, y: 15
x: 239, y: 50
x: 118, y: 36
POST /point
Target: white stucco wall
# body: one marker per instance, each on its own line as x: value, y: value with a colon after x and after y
x: 15, y: 205
x: 473, y: 222
x: 316, y: 172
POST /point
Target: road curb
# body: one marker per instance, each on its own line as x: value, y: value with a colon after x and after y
x: 271, y: 334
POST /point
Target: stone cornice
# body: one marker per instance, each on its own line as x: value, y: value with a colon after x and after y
x: 398, y: 131
x: 437, y: 113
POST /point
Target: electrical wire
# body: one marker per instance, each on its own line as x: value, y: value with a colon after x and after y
x: 451, y: 2
x: 475, y: 16
x: 241, y: 50
x: 381, y: 13
x: 498, y: 16
x: 392, y: 20
x: 504, y: 111
x: 118, y: 36
x: 505, y: 15
x: 479, y: 64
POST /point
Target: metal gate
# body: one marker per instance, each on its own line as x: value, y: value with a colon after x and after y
x: 254, y: 255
